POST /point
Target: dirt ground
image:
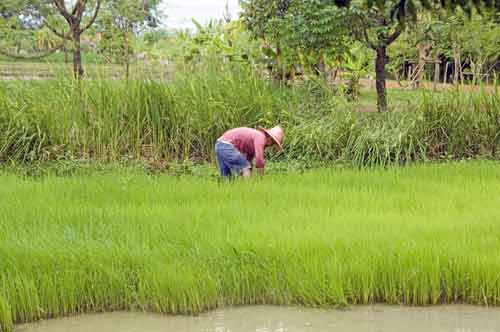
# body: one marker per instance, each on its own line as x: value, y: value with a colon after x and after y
x: 391, y: 84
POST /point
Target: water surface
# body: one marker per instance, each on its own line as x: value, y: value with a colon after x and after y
x: 379, y: 318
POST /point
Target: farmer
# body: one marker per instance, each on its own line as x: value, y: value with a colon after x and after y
x: 236, y: 149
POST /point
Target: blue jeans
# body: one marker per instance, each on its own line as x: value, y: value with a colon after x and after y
x: 230, y: 159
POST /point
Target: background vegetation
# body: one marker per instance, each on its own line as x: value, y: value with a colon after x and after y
x: 107, y: 120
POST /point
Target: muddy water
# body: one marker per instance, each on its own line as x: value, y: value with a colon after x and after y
x: 281, y: 319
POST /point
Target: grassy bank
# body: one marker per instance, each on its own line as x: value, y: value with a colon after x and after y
x: 424, y: 234
x: 106, y: 120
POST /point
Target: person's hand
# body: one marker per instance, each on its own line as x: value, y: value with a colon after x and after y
x: 246, y: 172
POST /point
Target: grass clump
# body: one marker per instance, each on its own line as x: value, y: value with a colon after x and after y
x: 420, y: 235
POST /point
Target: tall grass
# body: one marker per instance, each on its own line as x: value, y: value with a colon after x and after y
x: 122, y: 240
x: 110, y: 120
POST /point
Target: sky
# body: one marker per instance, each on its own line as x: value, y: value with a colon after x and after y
x: 179, y: 12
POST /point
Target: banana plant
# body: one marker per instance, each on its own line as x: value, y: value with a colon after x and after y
x: 357, y: 64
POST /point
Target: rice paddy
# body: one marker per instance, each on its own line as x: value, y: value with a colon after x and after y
x: 122, y: 240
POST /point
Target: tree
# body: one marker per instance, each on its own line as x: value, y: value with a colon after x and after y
x: 74, y: 18
x: 472, y: 42
x: 19, y: 25
x: 56, y: 16
x: 120, y: 20
x: 378, y: 24
x: 263, y: 18
x: 317, y: 32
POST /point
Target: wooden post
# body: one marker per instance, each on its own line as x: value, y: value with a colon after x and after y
x: 446, y: 73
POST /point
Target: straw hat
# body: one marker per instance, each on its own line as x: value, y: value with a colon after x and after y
x: 276, y: 134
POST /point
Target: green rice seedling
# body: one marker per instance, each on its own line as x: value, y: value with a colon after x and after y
x: 122, y: 240
x: 6, y: 323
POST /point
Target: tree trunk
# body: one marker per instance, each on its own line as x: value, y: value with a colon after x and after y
x: 65, y: 51
x: 380, y: 63
x: 446, y: 73
x: 77, y: 56
x: 456, y: 58
x: 126, y: 56
x: 278, y: 71
x: 461, y: 72
x: 335, y: 74
x: 292, y: 73
x: 322, y: 67
x: 436, y: 74
x: 423, y: 52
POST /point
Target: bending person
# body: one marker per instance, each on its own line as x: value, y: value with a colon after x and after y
x: 237, y: 148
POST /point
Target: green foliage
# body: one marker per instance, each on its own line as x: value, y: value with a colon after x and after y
x: 309, y: 33
x: 14, y: 33
x: 119, y: 23
x: 265, y: 20
x: 130, y: 15
x: 260, y: 16
x: 116, y: 45
x: 469, y: 40
x: 315, y: 31
x: 216, y: 40
x: 357, y: 63
x: 154, y: 36
x: 474, y: 39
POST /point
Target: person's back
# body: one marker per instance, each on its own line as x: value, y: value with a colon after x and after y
x: 250, y: 142
x: 237, y: 148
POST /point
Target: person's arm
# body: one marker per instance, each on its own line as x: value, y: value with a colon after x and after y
x: 259, y: 156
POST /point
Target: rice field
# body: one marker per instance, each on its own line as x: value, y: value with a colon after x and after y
x: 112, y: 240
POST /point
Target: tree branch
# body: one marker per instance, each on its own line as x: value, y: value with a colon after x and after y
x: 61, y: 7
x: 394, y: 35
x: 363, y: 35
x: 367, y: 39
x: 92, y: 20
x: 79, y: 9
x: 75, y: 8
x: 54, y: 30
x: 31, y: 56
